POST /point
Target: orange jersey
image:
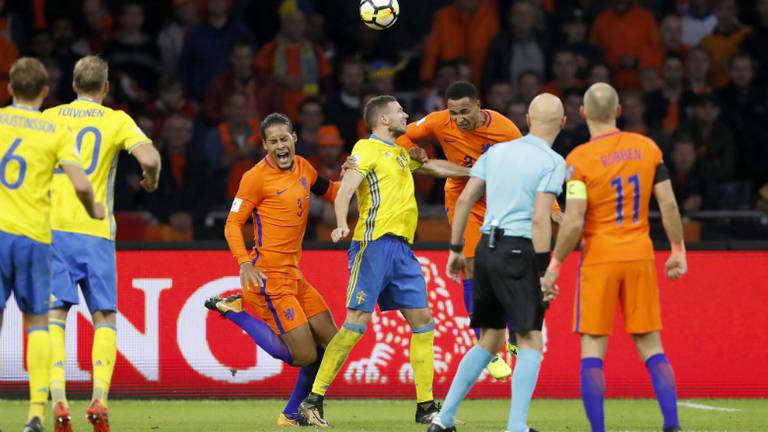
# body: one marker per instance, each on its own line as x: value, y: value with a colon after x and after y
x: 460, y: 147
x: 618, y: 169
x: 279, y: 202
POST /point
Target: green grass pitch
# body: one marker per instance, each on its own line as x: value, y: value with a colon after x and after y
x: 392, y: 416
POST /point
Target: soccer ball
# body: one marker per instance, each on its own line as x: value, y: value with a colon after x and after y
x: 379, y: 14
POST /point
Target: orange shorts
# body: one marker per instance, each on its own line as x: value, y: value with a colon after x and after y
x: 472, y: 232
x: 631, y: 284
x: 286, y: 304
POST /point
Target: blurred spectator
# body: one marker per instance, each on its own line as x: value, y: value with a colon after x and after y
x: 184, y: 179
x: 381, y: 77
x: 715, y: 144
x: 343, y: 108
x: 698, y: 66
x: 207, y: 47
x: 671, y: 36
x: 629, y: 37
x: 565, y: 9
x: 516, y: 50
x: 98, y: 23
x: 330, y: 153
x: 179, y: 228
x: 8, y: 56
x: 724, y: 42
x: 54, y: 82
x: 649, y: 80
x: 463, y: 29
x: 516, y: 111
x: 318, y: 35
x: 67, y: 50
x: 745, y: 115
x: 564, y: 68
x: 170, y: 101
x: 575, y: 131
x: 575, y: 32
x: 698, y: 21
x: 666, y: 105
x: 233, y: 147
x: 308, y: 127
x: 258, y: 87
x: 447, y: 72
x: 633, y: 119
x: 133, y: 56
x: 499, y: 96
x: 299, y: 67
x: 170, y: 40
x: 690, y: 181
x: 528, y: 85
x: 42, y: 46
x: 600, y: 72
x: 756, y: 42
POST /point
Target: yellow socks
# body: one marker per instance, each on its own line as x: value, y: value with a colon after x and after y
x: 38, y: 365
x: 335, y: 355
x: 58, y: 360
x: 423, y: 361
x: 103, y: 359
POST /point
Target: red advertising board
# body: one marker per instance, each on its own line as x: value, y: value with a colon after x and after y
x: 170, y: 345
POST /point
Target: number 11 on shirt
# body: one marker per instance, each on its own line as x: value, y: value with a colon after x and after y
x: 618, y: 184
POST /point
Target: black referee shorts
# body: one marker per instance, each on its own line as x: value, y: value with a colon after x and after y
x: 506, y: 286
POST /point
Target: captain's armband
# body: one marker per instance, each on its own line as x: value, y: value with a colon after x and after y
x: 576, y: 189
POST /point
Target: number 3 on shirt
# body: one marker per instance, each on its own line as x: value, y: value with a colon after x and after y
x: 618, y: 184
x: 9, y: 157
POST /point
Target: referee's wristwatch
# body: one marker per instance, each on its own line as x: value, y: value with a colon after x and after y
x: 456, y: 247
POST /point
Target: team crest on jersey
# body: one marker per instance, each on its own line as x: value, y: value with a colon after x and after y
x: 289, y: 314
x: 387, y: 154
x: 569, y: 172
x: 360, y: 298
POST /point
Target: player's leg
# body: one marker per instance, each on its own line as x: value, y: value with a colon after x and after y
x: 323, y: 329
x: 642, y: 316
x: 488, y: 315
x: 597, y: 293
x: 369, y: 270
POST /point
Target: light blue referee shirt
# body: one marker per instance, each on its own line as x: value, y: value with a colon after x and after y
x: 514, y: 172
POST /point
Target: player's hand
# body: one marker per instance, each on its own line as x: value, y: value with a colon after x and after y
x: 339, y: 233
x: 149, y: 184
x: 676, y: 266
x: 548, y: 286
x: 557, y: 217
x: 456, y: 265
x: 98, y: 211
x: 251, y: 278
x: 419, y: 154
x: 349, y: 164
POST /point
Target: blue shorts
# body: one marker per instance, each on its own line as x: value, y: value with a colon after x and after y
x: 387, y: 271
x: 25, y: 271
x: 87, y: 261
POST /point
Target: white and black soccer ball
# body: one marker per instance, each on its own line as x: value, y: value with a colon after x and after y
x: 379, y: 14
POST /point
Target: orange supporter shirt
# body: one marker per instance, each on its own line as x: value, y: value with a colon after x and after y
x: 278, y: 201
x: 633, y: 34
x: 618, y: 169
x: 455, y: 35
x: 722, y: 47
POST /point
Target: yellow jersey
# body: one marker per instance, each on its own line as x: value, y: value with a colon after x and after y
x: 30, y: 148
x: 100, y: 133
x: 385, y: 197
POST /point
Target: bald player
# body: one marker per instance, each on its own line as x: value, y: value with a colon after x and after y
x: 521, y: 179
x: 610, y: 182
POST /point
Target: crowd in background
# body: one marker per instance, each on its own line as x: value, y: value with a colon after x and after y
x: 199, y: 75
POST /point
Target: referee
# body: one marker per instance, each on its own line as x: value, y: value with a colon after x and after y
x: 521, y: 179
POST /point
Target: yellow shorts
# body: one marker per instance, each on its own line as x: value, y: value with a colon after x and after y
x: 631, y: 284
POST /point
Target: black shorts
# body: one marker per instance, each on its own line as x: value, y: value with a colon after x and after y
x: 506, y: 286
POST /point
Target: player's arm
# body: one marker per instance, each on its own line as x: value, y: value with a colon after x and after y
x: 416, y: 131
x: 349, y: 184
x: 149, y: 159
x: 247, y: 198
x: 325, y: 189
x: 441, y: 168
x: 676, y: 265
x: 541, y: 237
x: 83, y: 189
x: 472, y: 192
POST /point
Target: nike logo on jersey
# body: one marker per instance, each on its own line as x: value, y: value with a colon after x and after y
x: 280, y: 192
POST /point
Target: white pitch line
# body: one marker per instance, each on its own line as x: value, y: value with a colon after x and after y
x: 703, y: 407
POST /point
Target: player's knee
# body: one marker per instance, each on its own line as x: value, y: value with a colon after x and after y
x: 304, y: 357
x: 104, y: 317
